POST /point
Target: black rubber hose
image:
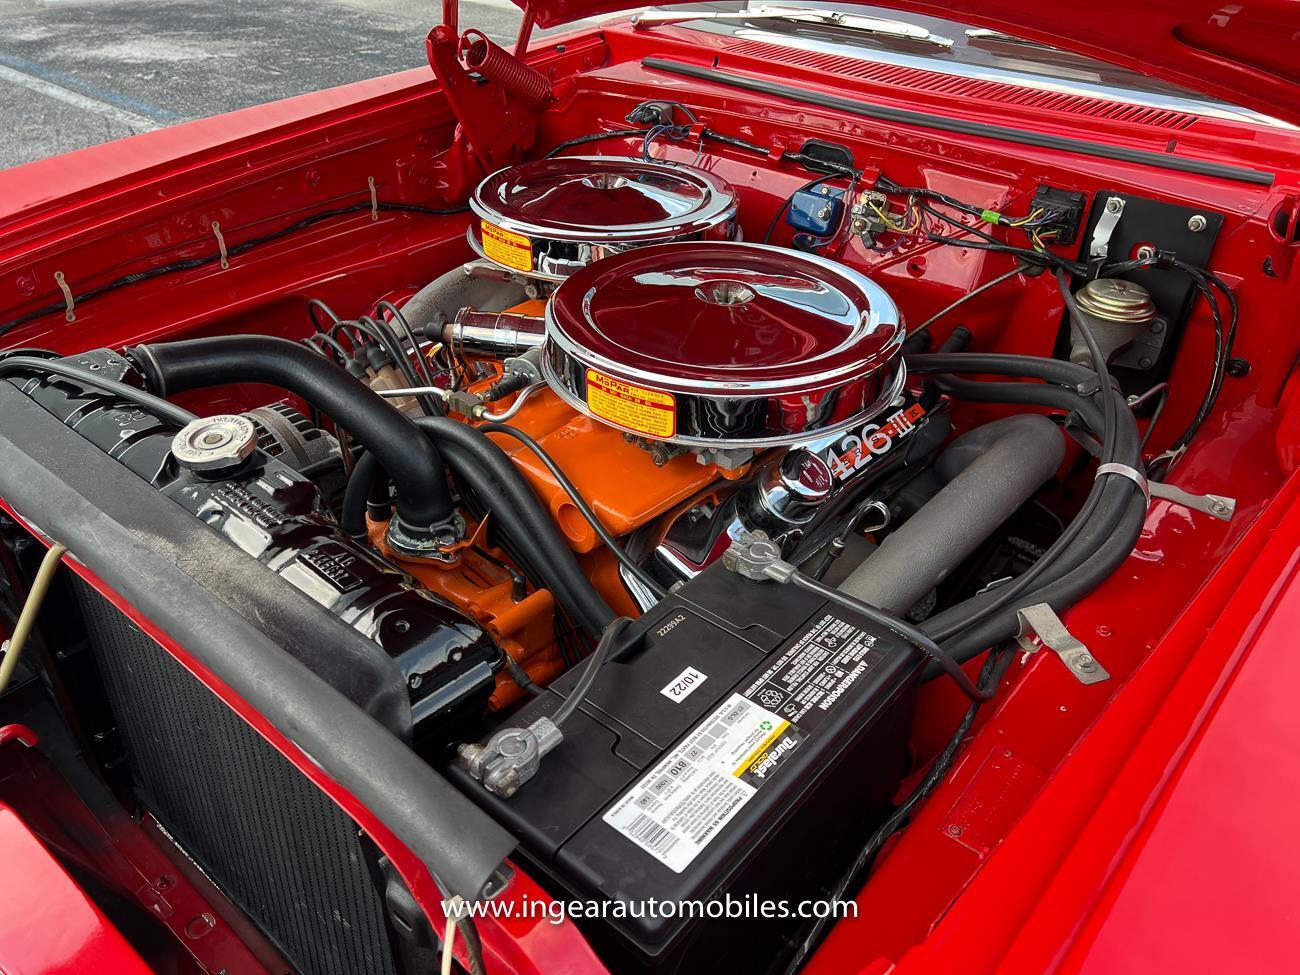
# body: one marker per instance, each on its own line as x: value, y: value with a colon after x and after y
x: 1120, y: 444
x: 1109, y: 525
x: 65, y: 370
x: 1097, y: 519
x: 958, y: 340
x: 364, y: 476
x: 580, y: 503
x: 496, y: 480
x: 513, y: 507
x: 1026, y: 366
x: 1100, y: 536
x: 1102, y: 508
x: 1060, y: 594
x: 413, y: 463
x: 532, y: 538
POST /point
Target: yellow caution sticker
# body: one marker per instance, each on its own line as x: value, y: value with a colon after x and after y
x: 507, y: 247
x: 635, y: 408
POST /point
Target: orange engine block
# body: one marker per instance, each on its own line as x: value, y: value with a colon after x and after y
x: 621, y: 483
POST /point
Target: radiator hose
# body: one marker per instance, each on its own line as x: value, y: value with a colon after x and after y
x: 411, y: 460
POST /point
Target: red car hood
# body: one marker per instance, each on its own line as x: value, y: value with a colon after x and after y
x: 1241, y: 51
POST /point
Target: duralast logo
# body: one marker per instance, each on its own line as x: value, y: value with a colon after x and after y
x: 770, y: 759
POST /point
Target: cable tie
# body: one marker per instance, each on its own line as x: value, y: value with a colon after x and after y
x: 1132, y: 473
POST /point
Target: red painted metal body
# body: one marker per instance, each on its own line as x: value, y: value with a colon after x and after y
x: 39, y: 898
x: 1083, y: 826
x: 51, y: 926
x: 1243, y: 53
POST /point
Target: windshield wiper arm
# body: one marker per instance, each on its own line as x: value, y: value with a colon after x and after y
x: 987, y: 34
x: 869, y: 25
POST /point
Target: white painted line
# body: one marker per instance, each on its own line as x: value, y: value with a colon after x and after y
x: 136, y: 123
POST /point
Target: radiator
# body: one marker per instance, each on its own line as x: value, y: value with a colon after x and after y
x: 277, y: 846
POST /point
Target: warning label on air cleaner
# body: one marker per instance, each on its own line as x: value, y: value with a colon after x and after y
x: 681, y: 804
x: 632, y: 407
x: 507, y: 247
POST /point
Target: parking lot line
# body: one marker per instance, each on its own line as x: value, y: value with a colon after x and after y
x: 135, y: 121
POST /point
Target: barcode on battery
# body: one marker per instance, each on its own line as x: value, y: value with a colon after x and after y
x: 651, y: 835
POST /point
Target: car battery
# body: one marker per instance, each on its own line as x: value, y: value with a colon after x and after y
x: 737, y: 747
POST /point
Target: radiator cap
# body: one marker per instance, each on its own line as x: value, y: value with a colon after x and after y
x: 215, y: 444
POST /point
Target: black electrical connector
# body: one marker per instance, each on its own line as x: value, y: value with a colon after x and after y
x: 1065, y: 208
x: 651, y: 113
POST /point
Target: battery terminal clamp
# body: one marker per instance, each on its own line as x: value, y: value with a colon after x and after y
x: 513, y: 755
x: 757, y: 557
x: 510, y: 757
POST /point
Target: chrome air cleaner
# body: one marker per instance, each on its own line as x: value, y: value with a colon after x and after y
x: 546, y: 219
x: 718, y: 345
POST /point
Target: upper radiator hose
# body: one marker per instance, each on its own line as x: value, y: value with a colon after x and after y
x: 413, y: 463
x: 990, y: 472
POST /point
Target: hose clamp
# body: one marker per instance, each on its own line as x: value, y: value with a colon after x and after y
x: 439, y: 543
x: 1132, y: 473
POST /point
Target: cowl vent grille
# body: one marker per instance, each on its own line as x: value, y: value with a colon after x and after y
x: 995, y: 92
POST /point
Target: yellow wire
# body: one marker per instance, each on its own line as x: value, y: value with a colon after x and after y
x: 894, y: 224
x: 453, y: 909
x: 1024, y: 220
x: 885, y: 218
x: 31, y: 607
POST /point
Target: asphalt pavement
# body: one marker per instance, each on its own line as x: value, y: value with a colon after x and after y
x: 75, y: 73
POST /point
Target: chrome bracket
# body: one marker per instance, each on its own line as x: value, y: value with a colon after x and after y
x: 1099, y: 246
x: 221, y: 245
x: 1214, y: 505
x: 1041, y: 627
x: 70, y: 314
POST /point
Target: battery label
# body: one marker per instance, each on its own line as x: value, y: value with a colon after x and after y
x: 695, y: 790
x: 681, y: 686
x: 507, y: 247
x: 681, y: 804
x: 809, y: 679
x: 631, y: 407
